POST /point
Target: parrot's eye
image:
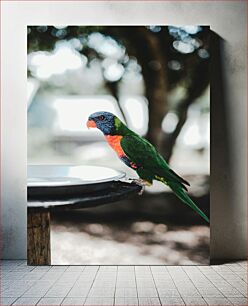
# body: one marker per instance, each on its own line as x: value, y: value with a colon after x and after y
x: 101, y: 118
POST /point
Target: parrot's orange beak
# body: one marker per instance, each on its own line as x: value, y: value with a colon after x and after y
x: 91, y: 124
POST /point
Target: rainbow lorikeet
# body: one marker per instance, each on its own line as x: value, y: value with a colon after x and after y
x: 140, y: 155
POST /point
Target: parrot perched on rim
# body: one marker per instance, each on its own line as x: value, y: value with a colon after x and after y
x: 140, y: 155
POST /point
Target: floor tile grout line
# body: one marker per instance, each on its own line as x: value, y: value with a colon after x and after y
x: 14, y: 301
x: 155, y: 285
x: 237, y: 273
x: 230, y: 283
x: 117, y: 271
x: 231, y: 271
x: 73, y: 284
x: 26, y: 290
x: 237, y: 304
x: 221, y: 266
x: 204, y: 298
x: 38, y: 301
x: 44, y: 293
x: 218, y: 273
x: 98, y: 268
x: 20, y: 298
x: 192, y: 282
x: 210, y: 280
x: 135, y: 277
x: 174, y: 284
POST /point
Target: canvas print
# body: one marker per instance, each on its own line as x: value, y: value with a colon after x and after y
x: 118, y: 145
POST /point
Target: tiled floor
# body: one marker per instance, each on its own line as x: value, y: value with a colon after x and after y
x: 123, y: 285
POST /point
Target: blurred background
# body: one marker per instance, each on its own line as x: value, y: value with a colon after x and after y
x: 156, y: 79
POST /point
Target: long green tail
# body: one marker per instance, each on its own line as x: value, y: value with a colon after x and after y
x: 183, y: 196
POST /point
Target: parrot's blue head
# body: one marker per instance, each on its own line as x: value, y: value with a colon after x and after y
x: 104, y: 121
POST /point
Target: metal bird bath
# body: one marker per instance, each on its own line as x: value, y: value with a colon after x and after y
x: 56, y: 187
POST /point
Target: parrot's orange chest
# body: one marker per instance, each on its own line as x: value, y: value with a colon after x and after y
x: 115, y: 143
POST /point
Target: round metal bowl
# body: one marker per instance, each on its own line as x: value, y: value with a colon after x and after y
x: 64, y: 180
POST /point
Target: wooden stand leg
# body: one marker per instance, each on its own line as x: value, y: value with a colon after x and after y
x: 39, y: 252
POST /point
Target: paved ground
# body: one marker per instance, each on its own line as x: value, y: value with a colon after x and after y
x: 123, y: 285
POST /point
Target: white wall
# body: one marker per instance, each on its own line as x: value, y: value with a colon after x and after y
x: 228, y: 183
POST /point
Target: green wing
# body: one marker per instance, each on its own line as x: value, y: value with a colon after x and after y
x: 143, y: 154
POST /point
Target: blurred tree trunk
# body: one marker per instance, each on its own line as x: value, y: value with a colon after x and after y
x: 199, y: 83
x: 153, y: 63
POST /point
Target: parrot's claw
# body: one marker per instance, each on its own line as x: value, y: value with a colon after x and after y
x: 141, y: 183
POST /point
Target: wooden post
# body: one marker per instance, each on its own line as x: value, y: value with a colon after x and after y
x: 39, y: 251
